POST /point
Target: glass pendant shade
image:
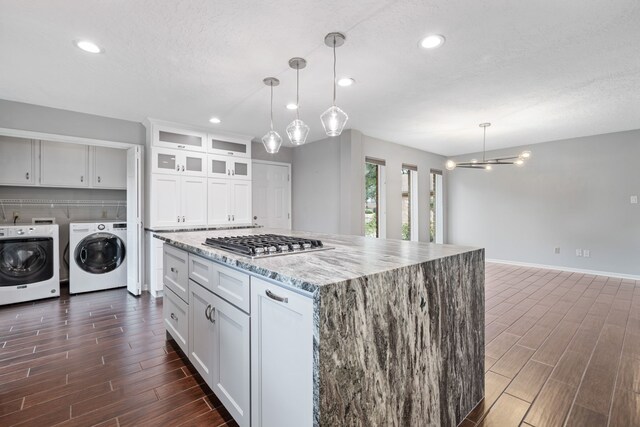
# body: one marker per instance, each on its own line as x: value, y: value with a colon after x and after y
x: 334, y: 120
x: 297, y: 132
x: 272, y: 142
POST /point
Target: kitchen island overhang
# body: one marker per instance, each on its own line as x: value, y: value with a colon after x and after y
x: 398, y: 326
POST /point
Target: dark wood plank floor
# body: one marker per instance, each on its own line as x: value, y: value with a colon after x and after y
x: 562, y: 349
x: 97, y: 359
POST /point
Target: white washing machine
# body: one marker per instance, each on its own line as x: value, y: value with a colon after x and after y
x: 29, y: 263
x: 97, y: 256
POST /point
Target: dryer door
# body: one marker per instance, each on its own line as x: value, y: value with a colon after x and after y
x: 25, y: 261
x: 100, y: 253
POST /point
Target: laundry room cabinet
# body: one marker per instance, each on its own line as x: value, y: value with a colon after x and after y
x: 109, y: 168
x: 17, y: 158
x: 178, y: 200
x: 64, y: 165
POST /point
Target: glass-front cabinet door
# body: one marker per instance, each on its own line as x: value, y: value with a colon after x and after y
x: 180, y: 139
x: 226, y: 146
x: 240, y: 168
x: 219, y: 166
x: 176, y: 162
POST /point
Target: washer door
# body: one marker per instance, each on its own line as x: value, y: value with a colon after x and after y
x: 100, y: 253
x: 25, y: 261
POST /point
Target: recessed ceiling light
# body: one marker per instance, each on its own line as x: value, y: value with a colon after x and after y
x: 432, y: 41
x: 214, y: 120
x: 292, y: 106
x: 345, y: 81
x: 88, y: 46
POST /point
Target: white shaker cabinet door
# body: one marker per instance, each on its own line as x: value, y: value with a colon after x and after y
x: 194, y: 200
x: 281, y: 357
x: 218, y: 201
x: 16, y: 161
x: 201, y: 330
x: 64, y: 165
x: 231, y: 365
x: 241, y: 202
x: 110, y: 168
x: 165, y: 202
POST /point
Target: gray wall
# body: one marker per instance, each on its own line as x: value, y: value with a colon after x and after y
x: 328, y: 183
x: 572, y: 194
x: 284, y: 155
x: 36, y: 118
x: 316, y: 186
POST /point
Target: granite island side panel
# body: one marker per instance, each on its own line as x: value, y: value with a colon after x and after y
x: 398, y: 326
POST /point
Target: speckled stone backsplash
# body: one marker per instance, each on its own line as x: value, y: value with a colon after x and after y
x: 404, y: 347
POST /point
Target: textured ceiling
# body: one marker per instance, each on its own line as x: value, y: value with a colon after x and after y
x: 538, y: 70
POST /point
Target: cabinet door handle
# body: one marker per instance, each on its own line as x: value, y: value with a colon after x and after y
x: 276, y: 297
x: 233, y: 172
x: 27, y: 176
x: 233, y: 217
x: 178, y: 168
x: 99, y: 179
x: 180, y: 146
x: 81, y: 178
x: 212, y: 315
x: 230, y: 153
x: 228, y: 172
x: 174, y: 317
x: 182, y: 168
x: 178, y: 219
x: 173, y: 270
x: 183, y: 220
x: 228, y: 217
x: 207, y: 312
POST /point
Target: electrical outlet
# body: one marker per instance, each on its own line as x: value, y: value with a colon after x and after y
x: 633, y: 200
x: 556, y: 250
x: 104, y: 214
x: 586, y: 253
x: 578, y: 252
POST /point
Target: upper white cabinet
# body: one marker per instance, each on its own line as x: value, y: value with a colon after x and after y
x: 229, y: 167
x: 64, y: 165
x: 17, y: 156
x: 281, y: 357
x: 229, y: 146
x: 179, y: 139
x: 109, y: 168
x: 177, y: 162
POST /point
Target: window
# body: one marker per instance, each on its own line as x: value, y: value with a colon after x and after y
x: 436, y: 211
x: 374, y: 198
x: 409, y: 202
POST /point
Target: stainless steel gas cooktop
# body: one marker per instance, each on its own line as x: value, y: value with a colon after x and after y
x: 266, y: 245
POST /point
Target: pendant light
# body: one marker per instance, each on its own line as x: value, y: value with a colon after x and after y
x: 334, y: 119
x: 297, y: 129
x: 271, y: 140
x: 487, y: 164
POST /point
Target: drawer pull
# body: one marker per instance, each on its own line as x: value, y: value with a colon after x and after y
x: 174, y: 317
x: 276, y: 297
x: 173, y: 270
x: 207, y: 312
x: 212, y: 315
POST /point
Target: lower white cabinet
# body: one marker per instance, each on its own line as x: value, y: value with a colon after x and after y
x: 178, y: 200
x: 175, y: 314
x: 219, y: 349
x: 229, y: 202
x: 281, y: 356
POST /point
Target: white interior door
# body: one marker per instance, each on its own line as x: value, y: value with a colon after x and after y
x: 271, y: 195
x: 134, y: 220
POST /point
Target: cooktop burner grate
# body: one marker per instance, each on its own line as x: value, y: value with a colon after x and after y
x: 265, y: 245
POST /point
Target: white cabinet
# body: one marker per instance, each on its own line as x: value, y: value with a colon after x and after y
x: 17, y: 157
x: 154, y: 257
x: 175, y: 313
x: 229, y: 146
x: 229, y: 167
x: 64, y: 165
x: 281, y: 356
x: 176, y: 162
x: 178, y: 200
x: 179, y: 139
x: 109, y: 168
x: 229, y: 202
x: 219, y: 342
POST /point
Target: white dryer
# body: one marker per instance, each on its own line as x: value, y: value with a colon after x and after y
x: 97, y: 256
x: 29, y: 263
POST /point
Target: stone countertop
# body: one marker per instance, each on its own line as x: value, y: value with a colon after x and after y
x: 352, y: 257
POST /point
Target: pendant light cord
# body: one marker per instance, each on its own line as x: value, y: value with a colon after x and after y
x: 271, y: 85
x: 334, y: 70
x: 298, y: 92
x: 484, y: 144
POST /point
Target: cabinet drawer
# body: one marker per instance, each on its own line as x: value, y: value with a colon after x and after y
x: 176, y: 320
x: 200, y: 271
x: 175, y: 273
x: 232, y: 286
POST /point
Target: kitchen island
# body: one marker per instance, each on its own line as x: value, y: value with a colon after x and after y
x: 396, y: 331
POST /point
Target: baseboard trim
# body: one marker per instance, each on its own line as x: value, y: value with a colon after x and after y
x: 569, y: 269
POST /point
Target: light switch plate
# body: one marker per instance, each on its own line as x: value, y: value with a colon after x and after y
x: 633, y: 200
x: 586, y: 253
